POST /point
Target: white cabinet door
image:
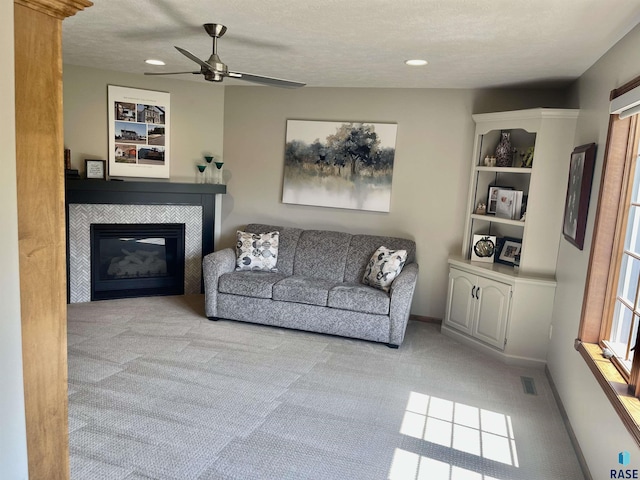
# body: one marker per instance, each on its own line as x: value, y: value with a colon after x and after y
x: 492, y: 311
x: 461, y: 300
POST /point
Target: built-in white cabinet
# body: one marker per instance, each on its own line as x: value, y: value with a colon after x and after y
x: 506, y: 314
x: 550, y: 132
x: 502, y: 309
x: 478, y: 306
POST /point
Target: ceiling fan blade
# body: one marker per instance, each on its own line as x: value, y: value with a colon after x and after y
x: 192, y: 57
x: 274, y: 82
x: 171, y: 73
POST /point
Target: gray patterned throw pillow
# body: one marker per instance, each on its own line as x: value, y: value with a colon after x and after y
x: 385, y: 265
x: 257, y: 251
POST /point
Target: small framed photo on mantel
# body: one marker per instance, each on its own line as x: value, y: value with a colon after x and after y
x: 95, y: 169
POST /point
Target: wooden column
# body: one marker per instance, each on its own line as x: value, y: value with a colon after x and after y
x: 41, y: 229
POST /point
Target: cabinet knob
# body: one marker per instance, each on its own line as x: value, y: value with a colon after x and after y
x: 478, y: 293
x: 473, y: 292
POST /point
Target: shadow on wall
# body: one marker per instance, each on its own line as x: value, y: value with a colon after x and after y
x: 518, y: 98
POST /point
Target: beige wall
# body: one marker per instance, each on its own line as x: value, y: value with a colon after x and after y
x: 13, y: 440
x: 430, y: 177
x: 434, y: 142
x: 197, y: 109
x: 599, y: 431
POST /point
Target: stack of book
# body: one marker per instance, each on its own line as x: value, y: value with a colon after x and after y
x: 509, y: 204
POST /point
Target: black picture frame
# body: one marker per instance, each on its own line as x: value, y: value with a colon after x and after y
x: 95, y: 169
x: 576, y: 205
x: 492, y: 189
x: 509, y: 251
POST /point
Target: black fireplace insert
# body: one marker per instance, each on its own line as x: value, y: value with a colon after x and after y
x: 137, y: 260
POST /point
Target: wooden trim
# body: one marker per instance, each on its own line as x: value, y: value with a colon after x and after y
x: 602, y: 247
x: 420, y: 318
x: 627, y: 87
x: 619, y: 232
x: 614, y: 386
x: 59, y: 9
x: 41, y: 230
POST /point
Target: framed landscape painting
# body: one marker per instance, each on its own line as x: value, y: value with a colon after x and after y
x: 139, y: 127
x: 339, y: 164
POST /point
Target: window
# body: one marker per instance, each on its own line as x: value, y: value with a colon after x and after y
x: 621, y: 326
x: 611, y: 305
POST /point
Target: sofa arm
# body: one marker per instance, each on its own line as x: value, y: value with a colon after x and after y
x: 214, y: 265
x: 401, y: 293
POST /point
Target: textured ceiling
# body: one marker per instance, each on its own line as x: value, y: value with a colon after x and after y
x: 358, y: 43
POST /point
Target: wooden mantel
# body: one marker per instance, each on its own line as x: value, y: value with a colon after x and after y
x: 41, y: 232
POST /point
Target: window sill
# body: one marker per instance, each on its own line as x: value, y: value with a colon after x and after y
x: 615, y: 387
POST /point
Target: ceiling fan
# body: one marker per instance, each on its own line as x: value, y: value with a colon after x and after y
x: 215, y: 71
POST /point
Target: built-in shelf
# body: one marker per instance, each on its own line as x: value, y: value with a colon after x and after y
x: 504, y: 169
x: 502, y: 309
x: 494, y: 219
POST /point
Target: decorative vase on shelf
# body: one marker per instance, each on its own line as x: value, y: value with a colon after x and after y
x: 201, y: 174
x: 209, y: 171
x: 219, y: 178
x: 504, y: 150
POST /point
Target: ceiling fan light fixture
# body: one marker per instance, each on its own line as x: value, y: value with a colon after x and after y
x: 416, y: 63
x: 153, y: 61
x: 213, y: 70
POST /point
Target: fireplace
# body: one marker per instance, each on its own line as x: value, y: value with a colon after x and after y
x: 90, y: 202
x: 137, y: 260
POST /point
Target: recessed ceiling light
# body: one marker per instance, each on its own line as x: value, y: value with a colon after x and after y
x: 153, y: 61
x: 416, y: 63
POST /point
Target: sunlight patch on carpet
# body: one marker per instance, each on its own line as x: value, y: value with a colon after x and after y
x: 465, y: 429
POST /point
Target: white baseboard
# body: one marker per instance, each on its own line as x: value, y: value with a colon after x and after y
x: 492, y: 351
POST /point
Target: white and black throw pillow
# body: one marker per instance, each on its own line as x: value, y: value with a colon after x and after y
x: 257, y: 251
x: 385, y: 265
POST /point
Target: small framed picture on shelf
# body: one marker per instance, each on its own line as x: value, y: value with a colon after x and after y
x: 509, y: 204
x: 95, y: 169
x: 492, y: 197
x: 509, y: 251
x: 483, y: 248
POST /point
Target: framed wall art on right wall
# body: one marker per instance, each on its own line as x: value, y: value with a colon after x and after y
x: 576, y: 205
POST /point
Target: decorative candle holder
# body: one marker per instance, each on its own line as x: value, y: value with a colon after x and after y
x: 201, y: 174
x: 209, y: 171
x: 219, y: 176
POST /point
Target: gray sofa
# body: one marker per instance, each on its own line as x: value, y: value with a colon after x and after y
x: 317, y: 287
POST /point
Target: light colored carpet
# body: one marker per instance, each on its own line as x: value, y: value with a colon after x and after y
x: 156, y: 391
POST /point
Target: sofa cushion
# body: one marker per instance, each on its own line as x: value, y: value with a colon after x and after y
x: 257, y: 251
x: 288, y: 241
x: 313, y: 291
x: 359, y: 298
x: 385, y: 265
x: 321, y: 254
x: 250, y: 284
x: 362, y: 248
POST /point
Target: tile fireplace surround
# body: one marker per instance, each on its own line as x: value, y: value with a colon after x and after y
x: 97, y: 201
